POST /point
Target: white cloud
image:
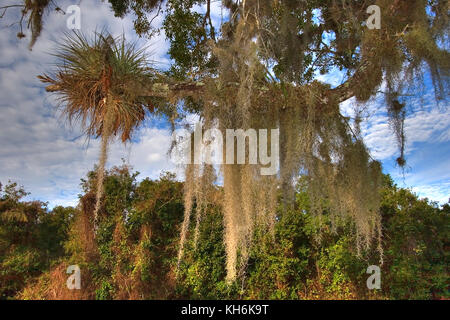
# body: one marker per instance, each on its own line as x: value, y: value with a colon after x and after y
x: 435, y: 192
x: 38, y: 148
x: 427, y: 130
x: 424, y: 123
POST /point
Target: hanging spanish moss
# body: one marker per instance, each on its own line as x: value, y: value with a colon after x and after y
x: 188, y: 204
x: 316, y: 141
x: 262, y: 76
x: 36, y: 8
x: 107, y: 132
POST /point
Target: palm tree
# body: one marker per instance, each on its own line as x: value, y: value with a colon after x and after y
x: 99, y: 82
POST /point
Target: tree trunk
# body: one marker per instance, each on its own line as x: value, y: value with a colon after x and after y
x: 105, y: 137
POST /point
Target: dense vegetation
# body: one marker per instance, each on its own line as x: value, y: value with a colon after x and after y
x: 133, y: 255
x: 262, y: 66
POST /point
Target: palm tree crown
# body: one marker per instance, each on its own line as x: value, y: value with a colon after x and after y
x: 99, y: 82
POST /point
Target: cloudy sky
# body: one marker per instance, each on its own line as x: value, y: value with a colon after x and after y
x: 48, y: 156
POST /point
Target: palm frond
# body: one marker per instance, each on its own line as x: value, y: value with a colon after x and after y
x: 14, y: 216
x: 90, y: 69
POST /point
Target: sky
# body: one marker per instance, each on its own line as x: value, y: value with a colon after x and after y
x: 48, y: 156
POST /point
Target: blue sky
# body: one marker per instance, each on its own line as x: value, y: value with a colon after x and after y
x: 46, y: 155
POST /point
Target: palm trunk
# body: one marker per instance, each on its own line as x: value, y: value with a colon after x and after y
x: 106, y: 134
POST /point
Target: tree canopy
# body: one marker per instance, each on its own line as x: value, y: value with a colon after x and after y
x: 134, y: 253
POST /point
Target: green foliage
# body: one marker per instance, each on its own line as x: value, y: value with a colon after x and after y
x: 54, y: 230
x: 20, y: 265
x: 136, y: 243
x: 417, y: 238
x: 105, y: 291
x: 188, y: 32
x: 292, y: 264
x: 140, y: 8
x: 136, y: 236
x: 202, y: 272
x: 31, y: 238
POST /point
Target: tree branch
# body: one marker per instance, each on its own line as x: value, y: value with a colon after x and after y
x: 347, y: 90
x: 158, y: 90
x: 165, y: 90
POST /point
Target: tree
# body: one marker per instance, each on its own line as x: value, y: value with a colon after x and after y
x: 261, y: 69
x: 99, y: 82
x: 31, y: 238
x: 31, y: 11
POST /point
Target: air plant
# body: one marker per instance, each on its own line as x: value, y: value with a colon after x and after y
x: 100, y: 82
